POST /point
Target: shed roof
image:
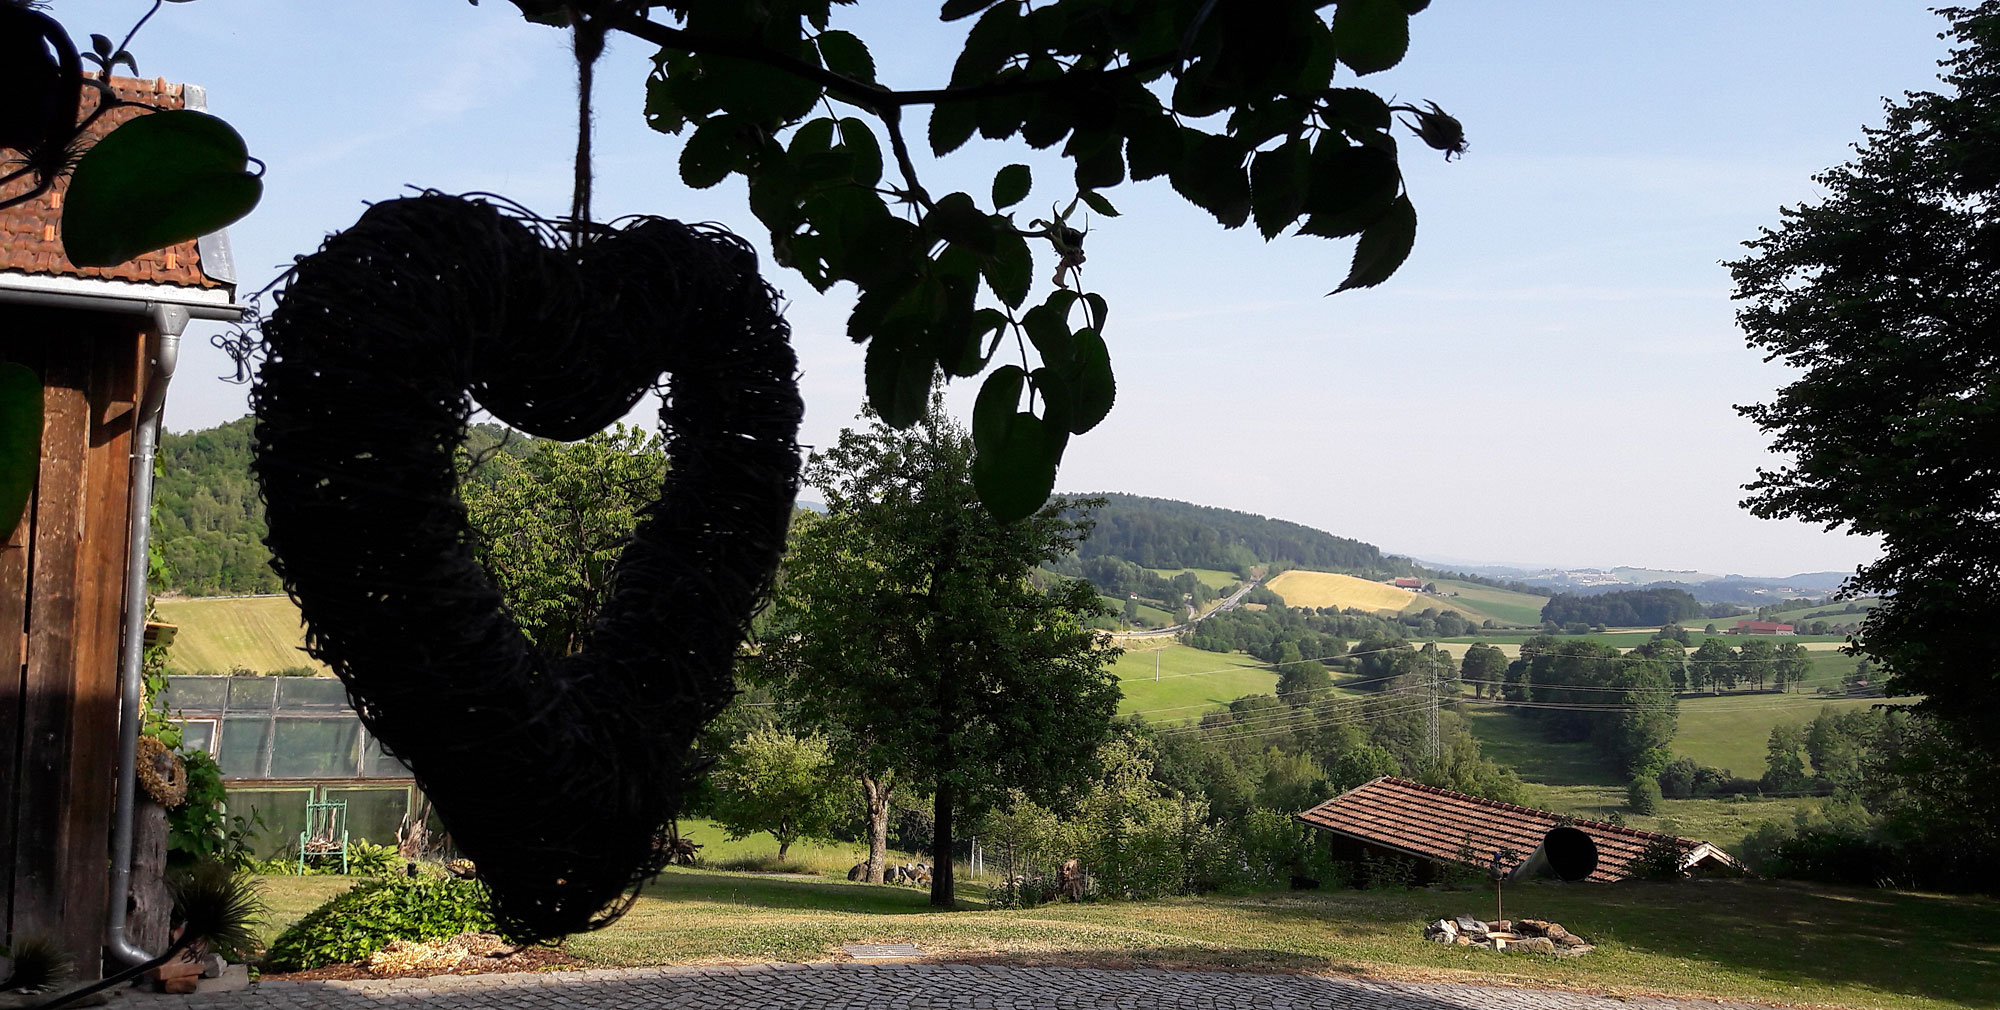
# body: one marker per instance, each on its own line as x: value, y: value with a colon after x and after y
x: 31, y: 253
x: 1438, y: 824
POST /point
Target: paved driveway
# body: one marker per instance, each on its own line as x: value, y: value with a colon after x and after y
x: 847, y: 986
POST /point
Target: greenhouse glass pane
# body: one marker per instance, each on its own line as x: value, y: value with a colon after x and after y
x: 315, y: 748
x: 310, y: 692
x: 198, y: 735
x: 373, y: 813
x: 283, y: 812
x: 206, y: 694
x: 377, y: 763
x: 250, y: 693
x: 243, y: 742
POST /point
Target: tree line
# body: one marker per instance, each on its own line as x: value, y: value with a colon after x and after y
x: 1623, y: 608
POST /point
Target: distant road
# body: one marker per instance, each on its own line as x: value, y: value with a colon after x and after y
x: 1235, y: 599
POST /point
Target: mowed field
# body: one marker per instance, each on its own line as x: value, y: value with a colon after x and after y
x: 1209, y: 577
x: 260, y: 633
x: 1301, y: 588
x: 1504, y: 606
x: 1192, y: 681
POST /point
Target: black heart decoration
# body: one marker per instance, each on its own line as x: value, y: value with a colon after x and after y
x: 554, y: 774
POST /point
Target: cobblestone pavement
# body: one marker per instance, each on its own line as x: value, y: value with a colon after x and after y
x: 848, y: 986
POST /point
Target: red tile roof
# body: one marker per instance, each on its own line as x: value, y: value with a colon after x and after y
x: 28, y: 231
x: 1432, y: 823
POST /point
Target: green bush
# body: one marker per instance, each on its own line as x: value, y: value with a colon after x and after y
x: 198, y: 829
x: 1643, y: 796
x: 368, y: 918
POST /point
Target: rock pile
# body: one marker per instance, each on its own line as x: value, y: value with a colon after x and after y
x: 1518, y: 936
x: 914, y: 874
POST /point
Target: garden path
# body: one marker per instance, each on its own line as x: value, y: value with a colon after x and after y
x: 849, y: 986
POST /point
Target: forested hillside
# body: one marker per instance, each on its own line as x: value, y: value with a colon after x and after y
x: 1160, y: 533
x: 208, y: 521
x: 1626, y: 608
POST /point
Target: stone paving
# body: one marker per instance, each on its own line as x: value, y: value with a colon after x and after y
x: 848, y: 986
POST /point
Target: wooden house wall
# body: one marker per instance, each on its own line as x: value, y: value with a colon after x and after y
x: 62, y: 574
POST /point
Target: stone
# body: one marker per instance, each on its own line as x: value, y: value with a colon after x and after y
x: 858, y: 871
x: 1577, y: 951
x: 1445, y: 926
x: 180, y: 985
x: 1500, y: 926
x: 1496, y: 944
x: 1471, y: 927
x: 1463, y: 941
x: 212, y: 965
x: 1532, y: 927
x: 1441, y: 937
x: 231, y: 978
x: 1532, y: 945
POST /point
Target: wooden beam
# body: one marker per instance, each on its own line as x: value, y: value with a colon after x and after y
x: 15, y: 554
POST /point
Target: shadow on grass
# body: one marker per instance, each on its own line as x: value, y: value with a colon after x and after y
x: 1181, y: 958
x: 794, y: 892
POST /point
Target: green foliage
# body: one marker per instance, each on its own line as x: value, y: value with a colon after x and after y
x: 20, y: 440
x: 745, y: 86
x: 1643, y: 796
x: 1624, y: 705
x: 367, y: 859
x: 1888, y: 423
x: 158, y: 179
x: 375, y: 913
x: 200, y: 829
x: 909, y: 630
x: 1162, y: 533
x: 552, y: 523
x: 1784, y: 768
x: 1659, y: 860
x: 1625, y: 608
x: 773, y: 781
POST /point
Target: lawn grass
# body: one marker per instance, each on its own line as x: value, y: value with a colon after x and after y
x: 1785, y: 943
x: 1191, y: 680
x: 1209, y: 577
x: 1302, y: 588
x: 260, y: 633
x: 1768, y: 942
x: 1479, y: 602
x: 1515, y: 742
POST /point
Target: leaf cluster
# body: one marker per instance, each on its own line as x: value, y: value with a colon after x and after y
x: 374, y: 914
x: 1236, y: 105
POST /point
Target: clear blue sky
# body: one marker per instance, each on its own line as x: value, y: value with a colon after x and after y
x: 1549, y: 379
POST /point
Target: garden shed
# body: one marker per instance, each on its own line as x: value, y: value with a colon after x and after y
x: 1435, y: 828
x: 72, y: 571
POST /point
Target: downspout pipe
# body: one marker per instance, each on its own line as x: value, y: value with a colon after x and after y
x: 168, y: 321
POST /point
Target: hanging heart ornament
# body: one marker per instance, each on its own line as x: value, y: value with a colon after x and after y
x: 554, y: 774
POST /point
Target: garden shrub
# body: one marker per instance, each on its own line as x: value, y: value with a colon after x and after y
x: 1643, y: 795
x: 375, y: 913
x: 199, y: 829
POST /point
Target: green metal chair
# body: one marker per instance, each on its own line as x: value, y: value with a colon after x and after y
x: 325, y: 835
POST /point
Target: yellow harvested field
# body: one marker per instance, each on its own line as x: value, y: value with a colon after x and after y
x: 1326, y: 589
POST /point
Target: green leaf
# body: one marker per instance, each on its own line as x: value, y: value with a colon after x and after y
x: 999, y: 398
x: 957, y: 220
x: 710, y: 154
x: 955, y: 9
x: 1383, y: 247
x: 1154, y: 148
x: 1212, y: 176
x: 20, y: 441
x: 1091, y: 386
x: 1351, y: 188
x: 1010, y: 186
x: 759, y: 92
x: 662, y: 111
x: 846, y: 55
x: 864, y: 149
x: 1279, y: 180
x: 1010, y: 270
x: 1016, y: 474
x: 1371, y: 35
x: 1098, y: 203
x: 951, y: 125
x: 1358, y: 108
x: 899, y: 380
x: 159, y: 179
x: 1048, y: 329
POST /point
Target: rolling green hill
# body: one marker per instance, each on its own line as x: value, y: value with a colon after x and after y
x: 1479, y: 602
x: 1191, y: 680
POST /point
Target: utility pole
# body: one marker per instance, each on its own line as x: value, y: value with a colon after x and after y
x: 1156, y: 665
x: 1437, y: 691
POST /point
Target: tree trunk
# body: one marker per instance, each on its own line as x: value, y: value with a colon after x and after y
x: 784, y: 846
x: 878, y: 827
x: 942, y: 893
x: 150, y: 906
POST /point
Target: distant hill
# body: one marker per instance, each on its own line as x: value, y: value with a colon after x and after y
x: 1167, y: 534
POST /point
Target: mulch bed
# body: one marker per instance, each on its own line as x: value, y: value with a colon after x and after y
x: 525, y: 959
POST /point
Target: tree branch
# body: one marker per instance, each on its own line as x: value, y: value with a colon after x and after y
x: 873, y: 97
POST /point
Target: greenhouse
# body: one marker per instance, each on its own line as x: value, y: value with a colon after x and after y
x: 284, y: 742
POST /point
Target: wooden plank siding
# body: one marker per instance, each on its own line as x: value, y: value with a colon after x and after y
x: 67, y: 703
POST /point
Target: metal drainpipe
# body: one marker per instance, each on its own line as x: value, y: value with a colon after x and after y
x: 169, y: 321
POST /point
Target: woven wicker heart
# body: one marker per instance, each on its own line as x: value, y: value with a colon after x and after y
x: 552, y: 774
